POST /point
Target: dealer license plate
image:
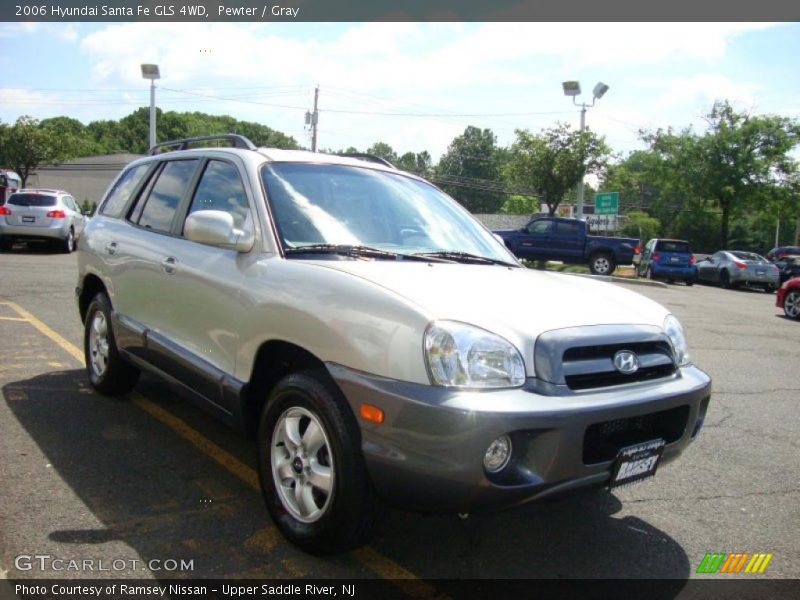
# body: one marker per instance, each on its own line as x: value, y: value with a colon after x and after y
x: 636, y: 462
x: 28, y: 219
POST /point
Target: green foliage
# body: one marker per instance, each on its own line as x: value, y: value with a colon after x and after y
x: 26, y: 145
x: 520, y: 205
x: 471, y: 160
x: 554, y: 161
x: 640, y: 225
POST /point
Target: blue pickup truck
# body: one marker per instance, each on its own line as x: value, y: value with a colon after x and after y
x: 555, y: 238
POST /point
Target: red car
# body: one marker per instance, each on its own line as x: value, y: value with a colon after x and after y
x: 788, y: 298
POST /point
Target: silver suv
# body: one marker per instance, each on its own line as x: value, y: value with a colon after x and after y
x: 41, y: 215
x: 378, y: 342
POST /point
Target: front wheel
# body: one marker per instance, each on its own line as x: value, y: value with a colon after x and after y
x: 602, y: 264
x: 313, y: 476
x: 108, y: 372
x: 791, y: 304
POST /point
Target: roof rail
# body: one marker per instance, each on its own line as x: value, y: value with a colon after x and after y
x: 369, y: 158
x: 237, y: 141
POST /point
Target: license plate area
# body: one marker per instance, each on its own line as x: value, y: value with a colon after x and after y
x: 637, y: 462
x: 28, y: 219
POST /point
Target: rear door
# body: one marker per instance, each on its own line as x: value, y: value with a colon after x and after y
x: 567, y: 239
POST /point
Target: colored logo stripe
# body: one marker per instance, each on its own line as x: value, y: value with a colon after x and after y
x: 721, y: 562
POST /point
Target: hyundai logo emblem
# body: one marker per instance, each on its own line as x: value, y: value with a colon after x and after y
x: 626, y: 362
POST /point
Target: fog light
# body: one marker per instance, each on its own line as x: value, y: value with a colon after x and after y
x: 497, y: 454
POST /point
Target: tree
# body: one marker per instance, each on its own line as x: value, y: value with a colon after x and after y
x: 734, y: 163
x: 26, y: 145
x: 469, y: 170
x: 554, y: 161
x: 641, y: 226
x: 419, y: 163
x: 384, y: 151
x: 520, y: 205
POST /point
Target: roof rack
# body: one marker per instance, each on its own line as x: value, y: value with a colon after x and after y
x: 369, y: 158
x: 237, y: 141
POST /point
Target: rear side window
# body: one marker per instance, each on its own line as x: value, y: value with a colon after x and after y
x: 118, y: 197
x: 672, y: 246
x: 221, y: 188
x: 32, y: 200
x: 165, y: 195
x: 566, y: 228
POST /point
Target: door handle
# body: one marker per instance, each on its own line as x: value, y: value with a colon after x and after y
x: 169, y: 264
x: 111, y: 247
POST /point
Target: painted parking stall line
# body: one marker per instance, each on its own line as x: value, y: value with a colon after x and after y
x: 381, y: 565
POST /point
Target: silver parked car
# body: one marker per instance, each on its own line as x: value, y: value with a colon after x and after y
x: 732, y: 268
x: 376, y: 339
x: 41, y: 215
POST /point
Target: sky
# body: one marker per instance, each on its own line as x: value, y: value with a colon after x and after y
x: 415, y: 86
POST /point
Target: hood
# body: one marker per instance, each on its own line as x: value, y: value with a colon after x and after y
x: 510, y: 301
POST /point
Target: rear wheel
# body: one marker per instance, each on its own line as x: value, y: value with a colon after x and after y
x: 725, y: 280
x: 313, y: 476
x: 108, y: 372
x: 68, y: 244
x: 791, y: 304
x: 602, y: 264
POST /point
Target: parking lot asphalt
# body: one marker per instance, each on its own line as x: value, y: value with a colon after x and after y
x: 149, y: 479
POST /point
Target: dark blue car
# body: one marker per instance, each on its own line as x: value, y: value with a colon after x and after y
x: 668, y: 259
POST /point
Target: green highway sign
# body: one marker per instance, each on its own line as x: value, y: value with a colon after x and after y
x: 606, y: 203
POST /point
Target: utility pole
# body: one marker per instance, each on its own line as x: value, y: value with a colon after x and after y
x: 314, y: 119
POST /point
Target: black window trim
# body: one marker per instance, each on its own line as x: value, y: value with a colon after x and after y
x: 185, y: 204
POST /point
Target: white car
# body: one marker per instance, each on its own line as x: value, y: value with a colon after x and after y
x: 377, y: 340
x: 41, y: 215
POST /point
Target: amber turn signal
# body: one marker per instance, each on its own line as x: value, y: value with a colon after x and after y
x: 371, y: 413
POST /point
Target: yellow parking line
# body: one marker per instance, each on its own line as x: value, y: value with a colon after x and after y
x: 369, y: 557
x: 20, y: 319
x: 60, y: 341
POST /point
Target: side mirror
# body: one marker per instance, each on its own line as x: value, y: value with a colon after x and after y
x: 216, y: 228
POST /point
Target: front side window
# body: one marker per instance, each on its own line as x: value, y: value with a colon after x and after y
x: 539, y: 227
x: 165, y: 195
x: 347, y: 205
x: 221, y: 188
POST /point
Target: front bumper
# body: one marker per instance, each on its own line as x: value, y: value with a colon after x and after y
x: 428, y: 453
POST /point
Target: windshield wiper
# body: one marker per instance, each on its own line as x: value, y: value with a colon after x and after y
x: 464, y: 257
x: 357, y: 251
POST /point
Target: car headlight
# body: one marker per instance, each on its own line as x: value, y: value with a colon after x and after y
x: 460, y: 355
x: 674, y: 330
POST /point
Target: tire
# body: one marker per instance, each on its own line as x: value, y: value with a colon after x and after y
x: 725, y: 280
x: 649, y: 273
x: 307, y: 424
x: 602, y: 264
x: 108, y: 372
x: 770, y: 289
x: 689, y: 282
x: 791, y: 304
x: 68, y: 243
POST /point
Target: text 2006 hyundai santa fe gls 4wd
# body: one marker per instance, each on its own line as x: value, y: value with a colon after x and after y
x: 379, y: 342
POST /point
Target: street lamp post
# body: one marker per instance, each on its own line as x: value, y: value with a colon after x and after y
x: 151, y: 72
x: 573, y: 89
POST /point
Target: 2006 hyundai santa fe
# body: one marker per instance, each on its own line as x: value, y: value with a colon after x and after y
x: 378, y: 341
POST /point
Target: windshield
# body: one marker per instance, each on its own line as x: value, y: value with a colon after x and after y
x: 32, y: 200
x: 353, y: 206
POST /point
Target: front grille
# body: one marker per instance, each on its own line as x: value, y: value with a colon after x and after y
x: 603, y: 441
x: 587, y: 367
